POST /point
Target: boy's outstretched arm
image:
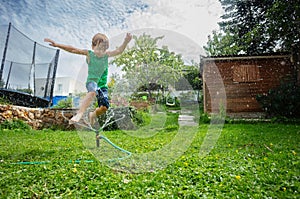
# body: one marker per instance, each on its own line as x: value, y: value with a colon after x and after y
x: 121, y: 48
x: 67, y: 48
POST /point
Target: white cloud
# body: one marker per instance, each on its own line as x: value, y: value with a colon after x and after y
x: 185, y: 25
x: 195, y: 19
x: 74, y: 23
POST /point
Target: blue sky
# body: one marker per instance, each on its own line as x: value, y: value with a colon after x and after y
x: 185, y: 24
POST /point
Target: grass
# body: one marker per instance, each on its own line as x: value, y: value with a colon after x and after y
x: 248, y: 161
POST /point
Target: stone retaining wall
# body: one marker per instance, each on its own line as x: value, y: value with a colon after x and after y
x: 37, y: 118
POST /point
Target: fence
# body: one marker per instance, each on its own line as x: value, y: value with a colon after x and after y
x: 28, y: 69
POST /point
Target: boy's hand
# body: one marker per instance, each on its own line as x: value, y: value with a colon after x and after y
x: 128, y: 37
x: 51, y: 42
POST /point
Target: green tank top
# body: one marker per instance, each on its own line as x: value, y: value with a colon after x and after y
x: 97, y: 69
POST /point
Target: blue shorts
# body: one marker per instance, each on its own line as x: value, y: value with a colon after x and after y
x: 91, y: 86
x: 101, y: 93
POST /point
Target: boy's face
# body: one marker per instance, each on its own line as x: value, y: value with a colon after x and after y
x: 104, y: 44
x: 101, y: 43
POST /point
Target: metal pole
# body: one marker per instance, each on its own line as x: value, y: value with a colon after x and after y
x: 54, y: 75
x: 11, y: 63
x: 4, y: 52
x: 47, y: 80
x: 32, y: 68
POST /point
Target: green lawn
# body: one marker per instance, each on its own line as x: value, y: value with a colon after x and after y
x: 248, y: 161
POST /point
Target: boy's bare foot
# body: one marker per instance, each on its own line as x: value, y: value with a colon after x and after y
x: 75, y: 118
x: 93, y: 115
x: 100, y: 110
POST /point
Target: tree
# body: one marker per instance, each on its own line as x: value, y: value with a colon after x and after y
x: 258, y: 26
x: 222, y: 44
x: 145, y: 64
x: 112, y: 82
x: 284, y: 23
x: 193, y: 76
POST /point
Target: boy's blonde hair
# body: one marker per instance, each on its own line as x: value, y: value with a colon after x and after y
x: 99, y: 37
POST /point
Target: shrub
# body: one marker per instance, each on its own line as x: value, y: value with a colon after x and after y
x: 172, y: 127
x: 65, y: 103
x: 204, y: 118
x: 141, y: 118
x: 4, y: 100
x: 282, y: 101
x: 14, y: 124
x: 132, y: 118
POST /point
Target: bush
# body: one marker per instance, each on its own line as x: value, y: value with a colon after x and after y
x: 204, y: 118
x: 141, y: 118
x: 65, y: 103
x: 133, y: 118
x: 4, y: 100
x: 14, y: 124
x: 282, y: 101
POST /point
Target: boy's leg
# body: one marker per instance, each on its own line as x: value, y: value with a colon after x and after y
x: 84, y: 105
x: 91, y: 87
